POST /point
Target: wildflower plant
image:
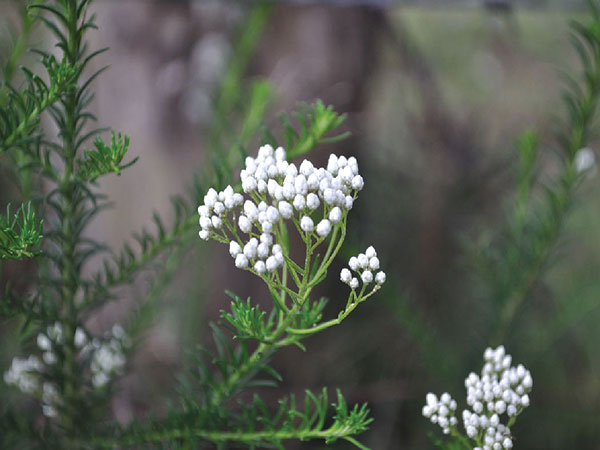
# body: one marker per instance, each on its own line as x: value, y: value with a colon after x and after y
x: 496, y: 397
x: 70, y: 372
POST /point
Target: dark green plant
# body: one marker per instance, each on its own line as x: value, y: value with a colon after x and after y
x: 72, y: 378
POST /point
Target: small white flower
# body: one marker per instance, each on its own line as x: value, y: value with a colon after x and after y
x: 357, y: 183
x: 203, y: 210
x: 370, y: 252
x: 353, y: 263
x: 271, y: 263
x: 241, y: 261
x: 49, y: 358
x: 299, y: 202
x: 306, y: 224
x: 380, y: 278
x: 354, y: 283
x: 203, y: 235
x: 285, y: 209
x: 345, y: 276
x: 367, y: 276
x: 80, y: 338
x: 348, y: 202
x: 205, y: 223
x: 244, y: 224
x: 216, y: 222
x: 374, y: 263
x: 335, y: 215
x: 250, y: 250
x: 323, y: 228
x: 234, y: 249
x: 312, y: 201
x: 585, y: 159
x: 363, y: 261
x: 260, y: 267
x: 43, y: 342
x: 263, y: 250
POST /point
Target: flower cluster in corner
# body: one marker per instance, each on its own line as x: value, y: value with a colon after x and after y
x: 105, y: 357
x: 315, y: 199
x: 500, y: 391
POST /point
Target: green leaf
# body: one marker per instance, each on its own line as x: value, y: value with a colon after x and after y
x: 105, y: 159
x: 20, y: 234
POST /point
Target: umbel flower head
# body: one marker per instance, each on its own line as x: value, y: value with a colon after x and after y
x: 500, y: 392
x: 314, y: 199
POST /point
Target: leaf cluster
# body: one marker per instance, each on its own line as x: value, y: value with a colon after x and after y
x: 315, y: 121
x: 20, y: 234
x: 105, y: 159
x: 22, y: 108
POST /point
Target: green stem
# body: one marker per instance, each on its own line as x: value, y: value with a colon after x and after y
x: 232, y: 436
x: 463, y: 440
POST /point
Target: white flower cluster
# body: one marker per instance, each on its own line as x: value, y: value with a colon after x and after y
x: 107, y: 358
x: 441, y: 411
x: 24, y: 374
x: 278, y: 190
x: 500, y: 389
x: 364, y: 265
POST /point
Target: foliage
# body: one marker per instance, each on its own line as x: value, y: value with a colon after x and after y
x: 73, y: 378
x: 19, y: 235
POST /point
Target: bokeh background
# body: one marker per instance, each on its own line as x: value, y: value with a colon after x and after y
x: 435, y: 95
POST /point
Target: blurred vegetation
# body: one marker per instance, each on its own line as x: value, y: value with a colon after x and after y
x: 451, y: 200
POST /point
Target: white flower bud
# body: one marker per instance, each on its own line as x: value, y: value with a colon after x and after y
x: 323, y: 228
x: 345, y: 275
x: 203, y: 235
x: 286, y: 210
x: 43, y: 342
x: 234, y: 249
x: 349, y: 202
x: 216, y: 222
x: 299, y: 202
x: 49, y: 358
x: 261, y: 186
x: 260, y: 267
x: 354, y: 283
x: 205, y: 223
x: 244, y: 224
x: 357, y: 183
x: 363, y: 261
x: 262, y: 250
x: 271, y: 264
x: 353, y: 263
x: 380, y: 278
x: 219, y: 208
x: 306, y: 224
x: 329, y: 196
x: 80, y: 338
x: 241, y: 262
x: 272, y: 214
x: 335, y: 215
x: 203, y: 210
x: 312, y: 201
x: 374, y: 263
x: 306, y: 168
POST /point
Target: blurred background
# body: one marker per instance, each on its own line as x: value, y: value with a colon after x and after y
x: 435, y: 94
